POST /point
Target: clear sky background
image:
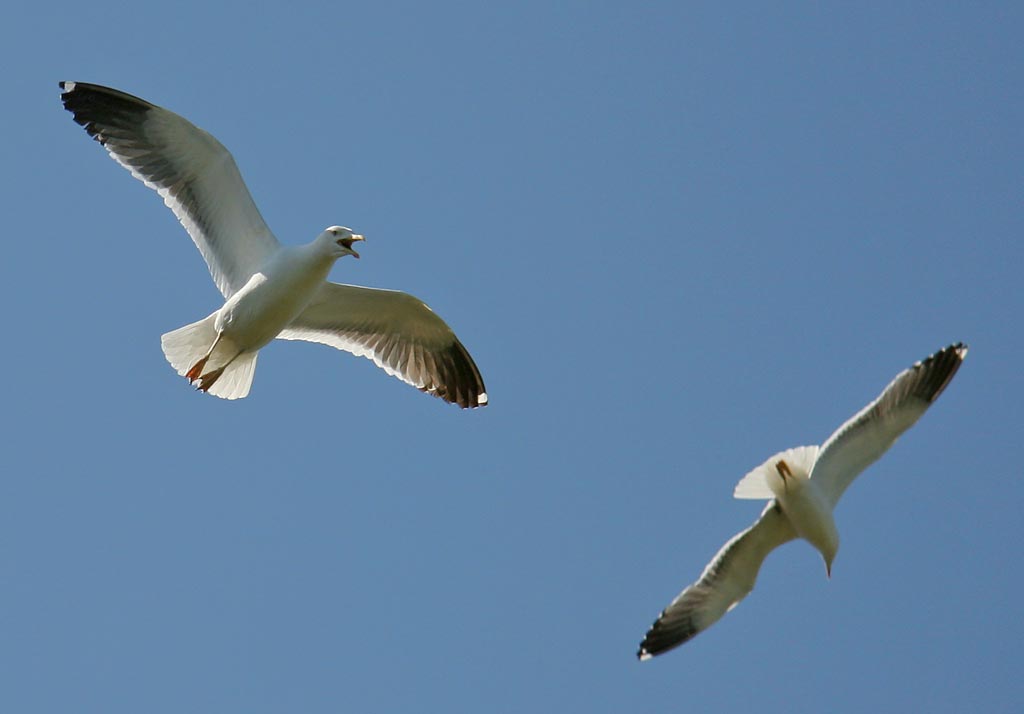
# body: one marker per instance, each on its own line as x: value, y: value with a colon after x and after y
x: 676, y: 238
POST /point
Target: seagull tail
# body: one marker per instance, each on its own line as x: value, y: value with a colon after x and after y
x: 800, y: 461
x: 236, y: 379
x: 187, y: 345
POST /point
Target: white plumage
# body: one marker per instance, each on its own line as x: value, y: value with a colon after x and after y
x: 270, y: 290
x: 804, y: 485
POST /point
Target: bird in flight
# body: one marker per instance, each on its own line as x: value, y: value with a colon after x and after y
x: 803, y: 485
x: 270, y: 290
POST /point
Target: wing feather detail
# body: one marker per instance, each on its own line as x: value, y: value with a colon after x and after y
x: 194, y: 174
x: 726, y: 580
x: 870, y: 432
x: 399, y: 333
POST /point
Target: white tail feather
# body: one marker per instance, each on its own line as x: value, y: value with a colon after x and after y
x: 234, y: 383
x: 755, y: 484
x: 189, y: 344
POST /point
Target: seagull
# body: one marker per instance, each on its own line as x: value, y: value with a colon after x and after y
x: 270, y: 290
x: 803, y: 485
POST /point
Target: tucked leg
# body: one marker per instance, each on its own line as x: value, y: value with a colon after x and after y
x: 783, y: 468
x: 195, y: 371
x: 207, y: 379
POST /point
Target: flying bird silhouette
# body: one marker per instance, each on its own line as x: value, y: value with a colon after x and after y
x: 270, y: 290
x: 804, y: 485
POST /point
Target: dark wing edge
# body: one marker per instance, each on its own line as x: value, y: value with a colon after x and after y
x: 400, y: 334
x: 192, y: 171
x: 863, y: 438
x: 937, y: 371
x: 102, y: 111
x: 726, y: 580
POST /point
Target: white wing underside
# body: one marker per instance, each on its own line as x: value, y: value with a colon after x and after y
x: 192, y: 171
x: 870, y: 432
x: 398, y: 332
x: 726, y: 580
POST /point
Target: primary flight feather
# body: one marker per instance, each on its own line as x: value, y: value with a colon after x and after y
x: 804, y: 485
x: 270, y: 290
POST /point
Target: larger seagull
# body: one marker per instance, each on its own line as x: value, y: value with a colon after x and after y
x: 270, y: 290
x: 804, y: 485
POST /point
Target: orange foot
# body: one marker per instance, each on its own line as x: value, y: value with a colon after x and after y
x: 206, y: 380
x: 197, y: 369
x: 783, y: 468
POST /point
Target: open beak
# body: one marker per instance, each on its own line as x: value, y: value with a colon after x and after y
x: 347, y: 242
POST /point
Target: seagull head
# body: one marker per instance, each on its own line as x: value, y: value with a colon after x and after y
x: 339, y: 240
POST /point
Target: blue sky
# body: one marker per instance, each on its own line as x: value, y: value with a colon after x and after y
x: 676, y: 238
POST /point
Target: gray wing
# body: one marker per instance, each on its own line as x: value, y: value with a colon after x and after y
x: 399, y: 333
x: 189, y: 168
x: 868, y: 434
x: 725, y: 581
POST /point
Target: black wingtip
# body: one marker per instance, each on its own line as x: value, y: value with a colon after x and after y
x: 939, y: 370
x: 460, y: 382
x: 664, y: 636
x: 646, y: 652
x: 102, y: 111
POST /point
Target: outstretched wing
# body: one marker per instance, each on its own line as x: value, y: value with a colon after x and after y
x: 868, y: 434
x: 725, y: 581
x: 399, y: 333
x: 189, y: 168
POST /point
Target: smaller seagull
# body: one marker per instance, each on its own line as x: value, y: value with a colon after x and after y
x: 270, y: 290
x: 804, y: 485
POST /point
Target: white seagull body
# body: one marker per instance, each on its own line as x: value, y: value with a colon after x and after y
x: 270, y: 290
x: 804, y: 485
